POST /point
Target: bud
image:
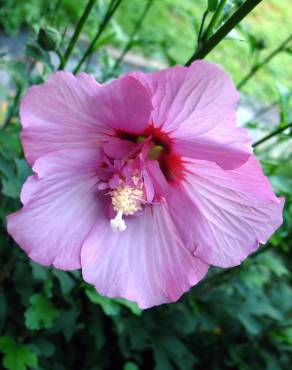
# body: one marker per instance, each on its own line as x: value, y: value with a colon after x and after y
x: 49, y: 39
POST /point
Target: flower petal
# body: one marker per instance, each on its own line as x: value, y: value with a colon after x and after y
x: 72, y: 112
x: 60, y: 114
x: 60, y: 208
x: 147, y: 263
x: 197, y: 106
x: 222, y: 215
x: 125, y: 105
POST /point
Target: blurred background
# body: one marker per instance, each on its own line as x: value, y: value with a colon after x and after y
x: 239, y: 318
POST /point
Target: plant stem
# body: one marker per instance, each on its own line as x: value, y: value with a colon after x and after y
x: 219, y: 35
x: 214, y: 19
x: 13, y: 107
x: 77, y: 32
x: 133, y: 34
x: 109, y: 13
x: 272, y: 134
x: 202, y: 27
x: 260, y: 65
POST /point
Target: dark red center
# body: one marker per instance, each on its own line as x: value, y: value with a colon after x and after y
x: 170, y: 163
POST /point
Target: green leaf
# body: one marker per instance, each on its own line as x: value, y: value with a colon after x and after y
x: 65, y: 280
x: 130, y: 366
x: 11, y: 181
x: 41, y: 313
x: 132, y: 306
x: 108, y: 305
x: 212, y: 5
x: 17, y: 357
x: 111, y: 307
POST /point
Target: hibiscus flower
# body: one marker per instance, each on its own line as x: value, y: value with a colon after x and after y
x: 142, y: 182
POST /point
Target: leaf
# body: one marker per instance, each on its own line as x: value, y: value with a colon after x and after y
x: 17, y: 357
x: 212, y: 5
x: 41, y: 313
x: 132, y: 306
x: 65, y: 280
x: 108, y: 305
x: 130, y: 366
x: 111, y: 307
x: 11, y: 181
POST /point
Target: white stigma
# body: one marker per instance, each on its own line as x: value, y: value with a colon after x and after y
x: 117, y: 223
x: 126, y: 200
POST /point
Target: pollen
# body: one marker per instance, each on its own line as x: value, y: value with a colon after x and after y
x: 127, y: 199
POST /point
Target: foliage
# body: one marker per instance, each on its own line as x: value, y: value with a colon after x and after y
x: 235, y: 319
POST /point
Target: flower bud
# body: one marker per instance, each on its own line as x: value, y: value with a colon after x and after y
x: 49, y: 38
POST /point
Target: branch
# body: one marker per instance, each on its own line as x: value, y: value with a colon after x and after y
x: 109, y: 13
x: 219, y: 35
x: 272, y: 134
x: 214, y: 19
x: 76, y: 34
x: 260, y: 65
x: 132, y: 36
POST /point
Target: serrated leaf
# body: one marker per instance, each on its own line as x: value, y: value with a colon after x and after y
x: 17, y: 357
x: 41, y: 313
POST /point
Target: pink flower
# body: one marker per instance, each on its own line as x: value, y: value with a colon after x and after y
x: 142, y: 182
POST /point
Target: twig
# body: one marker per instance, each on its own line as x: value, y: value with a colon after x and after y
x: 13, y: 107
x: 272, y: 134
x: 214, y: 19
x: 110, y: 12
x: 133, y: 34
x: 202, y: 28
x: 260, y: 65
x: 219, y: 35
x: 76, y: 34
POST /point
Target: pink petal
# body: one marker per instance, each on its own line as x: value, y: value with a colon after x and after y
x: 147, y: 263
x: 73, y: 112
x: 197, y: 106
x: 125, y: 105
x: 60, y: 114
x: 60, y: 207
x: 222, y: 215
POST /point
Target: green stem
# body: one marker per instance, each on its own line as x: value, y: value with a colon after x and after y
x: 110, y: 12
x: 214, y: 19
x: 13, y: 107
x: 202, y: 27
x: 219, y: 35
x: 133, y: 34
x: 77, y: 32
x: 272, y: 134
x: 260, y: 65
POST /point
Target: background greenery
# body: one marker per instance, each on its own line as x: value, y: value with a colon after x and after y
x: 236, y: 319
